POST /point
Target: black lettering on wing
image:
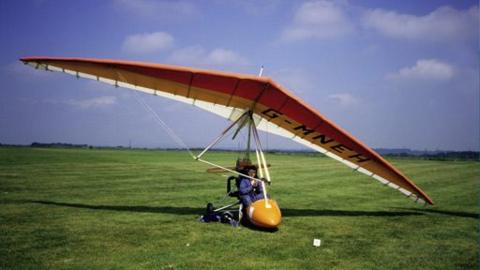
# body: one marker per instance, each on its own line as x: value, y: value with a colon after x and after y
x: 304, y: 129
x: 271, y: 113
x: 359, y: 158
x: 323, y: 139
x: 340, y: 148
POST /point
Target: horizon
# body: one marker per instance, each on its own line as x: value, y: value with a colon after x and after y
x: 232, y: 149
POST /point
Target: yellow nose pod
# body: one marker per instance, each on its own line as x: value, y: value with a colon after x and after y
x: 265, y: 214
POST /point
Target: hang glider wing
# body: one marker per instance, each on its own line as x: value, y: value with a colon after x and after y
x: 276, y: 110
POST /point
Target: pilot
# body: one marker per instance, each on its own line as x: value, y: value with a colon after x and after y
x: 250, y: 190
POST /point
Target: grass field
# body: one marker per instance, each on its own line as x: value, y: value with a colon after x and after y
x: 133, y: 209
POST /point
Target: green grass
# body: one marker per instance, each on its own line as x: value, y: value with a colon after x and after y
x: 132, y: 209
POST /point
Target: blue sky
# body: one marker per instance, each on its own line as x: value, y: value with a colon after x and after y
x: 393, y: 73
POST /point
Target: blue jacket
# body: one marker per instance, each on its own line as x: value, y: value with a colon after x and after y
x: 248, y: 193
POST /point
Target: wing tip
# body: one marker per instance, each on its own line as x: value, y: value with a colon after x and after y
x: 24, y: 59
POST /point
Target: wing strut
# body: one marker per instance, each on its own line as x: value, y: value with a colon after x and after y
x: 246, y: 117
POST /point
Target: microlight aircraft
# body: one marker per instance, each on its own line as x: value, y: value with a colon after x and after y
x: 254, y: 102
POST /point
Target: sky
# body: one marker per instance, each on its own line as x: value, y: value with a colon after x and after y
x: 395, y: 74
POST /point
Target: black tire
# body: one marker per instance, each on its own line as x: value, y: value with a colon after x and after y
x: 227, y: 217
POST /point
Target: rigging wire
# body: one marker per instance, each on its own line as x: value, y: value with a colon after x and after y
x: 159, y: 120
x: 163, y: 125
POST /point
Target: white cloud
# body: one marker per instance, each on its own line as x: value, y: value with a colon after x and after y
x: 253, y: 7
x: 158, y: 10
x: 442, y: 24
x: 344, y: 99
x: 426, y: 70
x: 198, y: 56
x: 294, y: 79
x: 97, y: 102
x: 147, y: 42
x: 318, y: 20
x: 225, y: 57
x: 94, y: 102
